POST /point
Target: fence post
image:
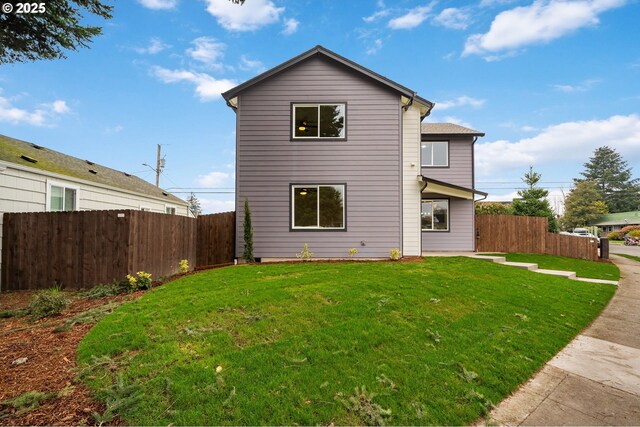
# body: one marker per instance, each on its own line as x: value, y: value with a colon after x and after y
x: 604, y: 248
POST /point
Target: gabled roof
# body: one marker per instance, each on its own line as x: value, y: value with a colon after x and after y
x: 37, y: 157
x: 619, y: 218
x: 447, y: 129
x: 320, y: 50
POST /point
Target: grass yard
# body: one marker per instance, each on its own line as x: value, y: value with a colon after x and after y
x: 406, y: 343
x: 635, y: 258
x: 582, y: 267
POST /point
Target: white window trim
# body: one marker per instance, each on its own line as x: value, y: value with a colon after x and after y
x: 293, y: 121
x: 432, y: 165
x: 317, y: 227
x: 145, y: 208
x: 64, y: 185
x: 175, y: 209
x: 433, y: 230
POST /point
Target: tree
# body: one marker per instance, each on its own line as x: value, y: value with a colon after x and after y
x: 493, y: 208
x: 194, y: 205
x: 612, y: 175
x: 247, y: 254
x: 48, y: 33
x: 533, y: 202
x: 583, y: 205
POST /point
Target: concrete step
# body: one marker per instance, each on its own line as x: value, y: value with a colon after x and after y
x: 559, y: 273
x: 524, y: 265
x: 498, y: 259
x: 586, y: 279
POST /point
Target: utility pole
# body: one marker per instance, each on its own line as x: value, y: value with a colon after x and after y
x: 158, y: 168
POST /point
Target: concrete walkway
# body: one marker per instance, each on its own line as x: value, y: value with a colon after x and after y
x: 595, y: 380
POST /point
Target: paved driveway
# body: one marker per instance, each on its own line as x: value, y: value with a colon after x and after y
x: 622, y: 249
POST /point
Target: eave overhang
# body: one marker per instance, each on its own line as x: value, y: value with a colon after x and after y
x: 450, y: 190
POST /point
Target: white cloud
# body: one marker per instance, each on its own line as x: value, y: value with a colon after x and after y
x: 290, y: 26
x: 453, y: 18
x: 210, y: 206
x: 159, y: 4
x: 526, y: 128
x: 540, y: 22
x: 580, y: 87
x: 564, y: 142
x: 373, y: 49
x: 411, y: 19
x: 380, y: 13
x: 213, y: 179
x: 155, y: 46
x: 43, y: 115
x: 248, y: 64
x: 247, y: 17
x: 207, y: 87
x: 460, y: 101
x: 207, y: 51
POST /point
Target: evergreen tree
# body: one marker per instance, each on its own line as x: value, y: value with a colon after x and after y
x: 247, y: 254
x: 194, y: 205
x: 583, y: 205
x: 46, y: 34
x: 612, y: 175
x: 533, y: 202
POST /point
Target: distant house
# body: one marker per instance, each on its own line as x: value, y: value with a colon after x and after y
x: 332, y: 154
x: 36, y: 179
x: 615, y: 221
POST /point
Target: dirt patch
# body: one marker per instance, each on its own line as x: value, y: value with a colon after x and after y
x: 50, y: 365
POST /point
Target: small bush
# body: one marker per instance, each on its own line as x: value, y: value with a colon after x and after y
x: 47, y: 303
x: 352, y: 252
x: 493, y: 208
x: 107, y: 290
x: 614, y: 235
x: 635, y: 234
x: 141, y: 281
x: 184, y: 266
x: 304, y: 254
x: 628, y: 228
x: 394, y: 254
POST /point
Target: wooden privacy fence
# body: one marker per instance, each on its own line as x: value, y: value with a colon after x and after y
x: 509, y: 233
x: 215, y: 239
x: 82, y: 249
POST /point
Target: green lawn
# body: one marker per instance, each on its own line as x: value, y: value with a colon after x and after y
x: 635, y: 258
x: 582, y: 267
x: 431, y: 342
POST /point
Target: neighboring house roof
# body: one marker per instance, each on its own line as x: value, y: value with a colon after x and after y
x: 320, y: 50
x: 37, y: 157
x: 620, y: 218
x: 447, y: 129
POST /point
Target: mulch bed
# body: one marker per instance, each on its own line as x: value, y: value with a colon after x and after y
x: 50, y: 365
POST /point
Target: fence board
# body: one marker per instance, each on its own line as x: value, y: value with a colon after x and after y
x: 508, y: 233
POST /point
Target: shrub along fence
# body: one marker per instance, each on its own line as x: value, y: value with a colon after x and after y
x: 509, y: 233
x: 82, y: 249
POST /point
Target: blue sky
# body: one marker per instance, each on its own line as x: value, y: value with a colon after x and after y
x: 547, y: 81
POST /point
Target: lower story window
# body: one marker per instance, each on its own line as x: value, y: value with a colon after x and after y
x: 62, y: 199
x: 319, y: 207
x: 435, y: 215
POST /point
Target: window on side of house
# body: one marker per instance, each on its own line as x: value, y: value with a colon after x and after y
x: 317, y: 207
x: 435, y: 215
x: 435, y: 153
x: 317, y: 121
x: 62, y: 198
x: 171, y: 210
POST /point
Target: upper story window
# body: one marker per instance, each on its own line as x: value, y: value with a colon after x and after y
x: 435, y: 153
x: 319, y: 207
x: 171, y: 210
x: 315, y: 121
x: 61, y: 198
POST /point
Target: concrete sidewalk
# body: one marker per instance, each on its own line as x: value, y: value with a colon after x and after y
x: 595, y: 380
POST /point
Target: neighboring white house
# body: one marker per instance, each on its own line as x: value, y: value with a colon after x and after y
x: 36, y: 179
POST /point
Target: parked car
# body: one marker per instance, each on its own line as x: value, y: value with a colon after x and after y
x: 583, y: 232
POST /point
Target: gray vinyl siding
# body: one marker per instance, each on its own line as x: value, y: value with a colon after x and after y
x: 460, y: 235
x: 368, y: 162
x: 460, y: 167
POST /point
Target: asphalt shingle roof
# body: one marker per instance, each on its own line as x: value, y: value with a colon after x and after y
x: 448, y: 129
x: 23, y: 153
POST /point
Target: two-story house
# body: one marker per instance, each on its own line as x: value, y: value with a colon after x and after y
x: 332, y: 154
